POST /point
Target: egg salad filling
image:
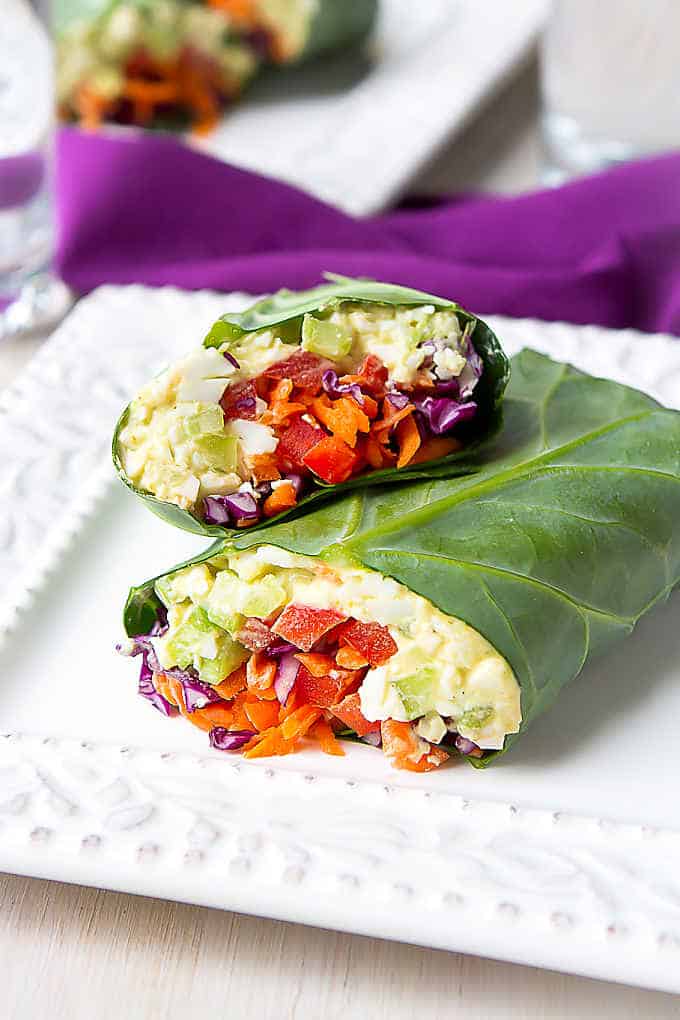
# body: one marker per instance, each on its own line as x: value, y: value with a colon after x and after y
x: 239, y: 433
x: 265, y: 650
x: 159, y: 61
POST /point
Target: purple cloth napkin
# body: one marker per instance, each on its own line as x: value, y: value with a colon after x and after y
x: 150, y: 210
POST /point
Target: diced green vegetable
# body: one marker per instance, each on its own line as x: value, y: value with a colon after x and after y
x: 208, y: 421
x: 231, y: 597
x: 220, y: 605
x: 417, y: 691
x: 193, y: 583
x: 192, y: 636
x: 261, y: 598
x: 325, y: 338
x: 221, y: 452
x: 476, y: 717
x: 229, y: 657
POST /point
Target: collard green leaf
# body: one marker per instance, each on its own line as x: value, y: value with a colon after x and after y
x: 289, y: 307
x: 291, y: 304
x: 568, y: 532
x: 335, y: 25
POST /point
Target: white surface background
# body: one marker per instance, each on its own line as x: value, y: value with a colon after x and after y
x: 68, y: 953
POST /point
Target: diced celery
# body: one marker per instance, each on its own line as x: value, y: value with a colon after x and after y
x: 475, y: 718
x: 208, y: 421
x: 417, y: 691
x: 191, y: 583
x: 261, y: 598
x: 229, y: 656
x: 325, y: 338
x: 230, y: 597
x: 222, y: 601
x: 219, y: 451
x: 192, y: 636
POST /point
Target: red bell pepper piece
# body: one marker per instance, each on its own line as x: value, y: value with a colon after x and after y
x: 332, y: 460
x: 371, y: 640
x: 297, y: 440
x: 349, y: 712
x: 239, y: 401
x: 303, y: 625
x: 372, y: 375
x: 322, y: 691
x: 303, y: 368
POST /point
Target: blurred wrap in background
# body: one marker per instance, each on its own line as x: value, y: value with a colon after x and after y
x: 143, y: 86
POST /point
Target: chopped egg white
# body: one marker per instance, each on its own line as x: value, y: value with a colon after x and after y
x: 254, y: 438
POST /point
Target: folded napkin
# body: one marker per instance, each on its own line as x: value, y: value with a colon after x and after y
x: 148, y: 209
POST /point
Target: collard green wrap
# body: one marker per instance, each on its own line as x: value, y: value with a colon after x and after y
x: 567, y: 534
x: 286, y: 308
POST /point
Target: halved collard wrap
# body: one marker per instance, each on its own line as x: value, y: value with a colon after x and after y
x: 169, y: 63
x: 435, y: 618
x: 349, y: 384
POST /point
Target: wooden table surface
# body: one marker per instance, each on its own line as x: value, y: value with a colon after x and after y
x: 70, y: 953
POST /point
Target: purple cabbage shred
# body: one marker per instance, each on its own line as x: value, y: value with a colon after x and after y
x: 286, y: 675
x: 215, y: 510
x: 197, y: 694
x: 242, y: 507
x: 374, y: 738
x: 334, y: 388
x: 228, y: 740
x: 397, y: 399
x: 443, y: 413
x: 466, y: 746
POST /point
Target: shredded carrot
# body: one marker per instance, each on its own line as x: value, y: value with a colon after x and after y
x: 328, y: 742
x: 281, y: 408
x: 233, y: 684
x: 299, y: 722
x: 408, y: 438
x: 217, y: 714
x: 161, y: 684
x: 263, y: 468
x: 195, y: 718
x: 241, y: 720
x: 267, y: 694
x: 390, y: 417
x: 348, y: 658
x: 282, y: 498
x: 369, y: 406
x: 263, y: 714
x: 376, y: 452
x: 153, y: 92
x: 271, y: 742
x: 343, y: 417
x: 198, y: 719
x: 260, y: 672
x: 289, y: 707
x: 437, y: 446
x: 91, y: 108
x: 316, y: 663
x: 242, y: 11
x: 400, y: 743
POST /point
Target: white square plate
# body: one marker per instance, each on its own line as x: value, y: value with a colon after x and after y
x: 564, y: 855
x: 353, y: 131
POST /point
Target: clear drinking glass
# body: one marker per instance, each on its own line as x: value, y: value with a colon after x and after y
x: 610, y: 74
x: 30, y: 297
